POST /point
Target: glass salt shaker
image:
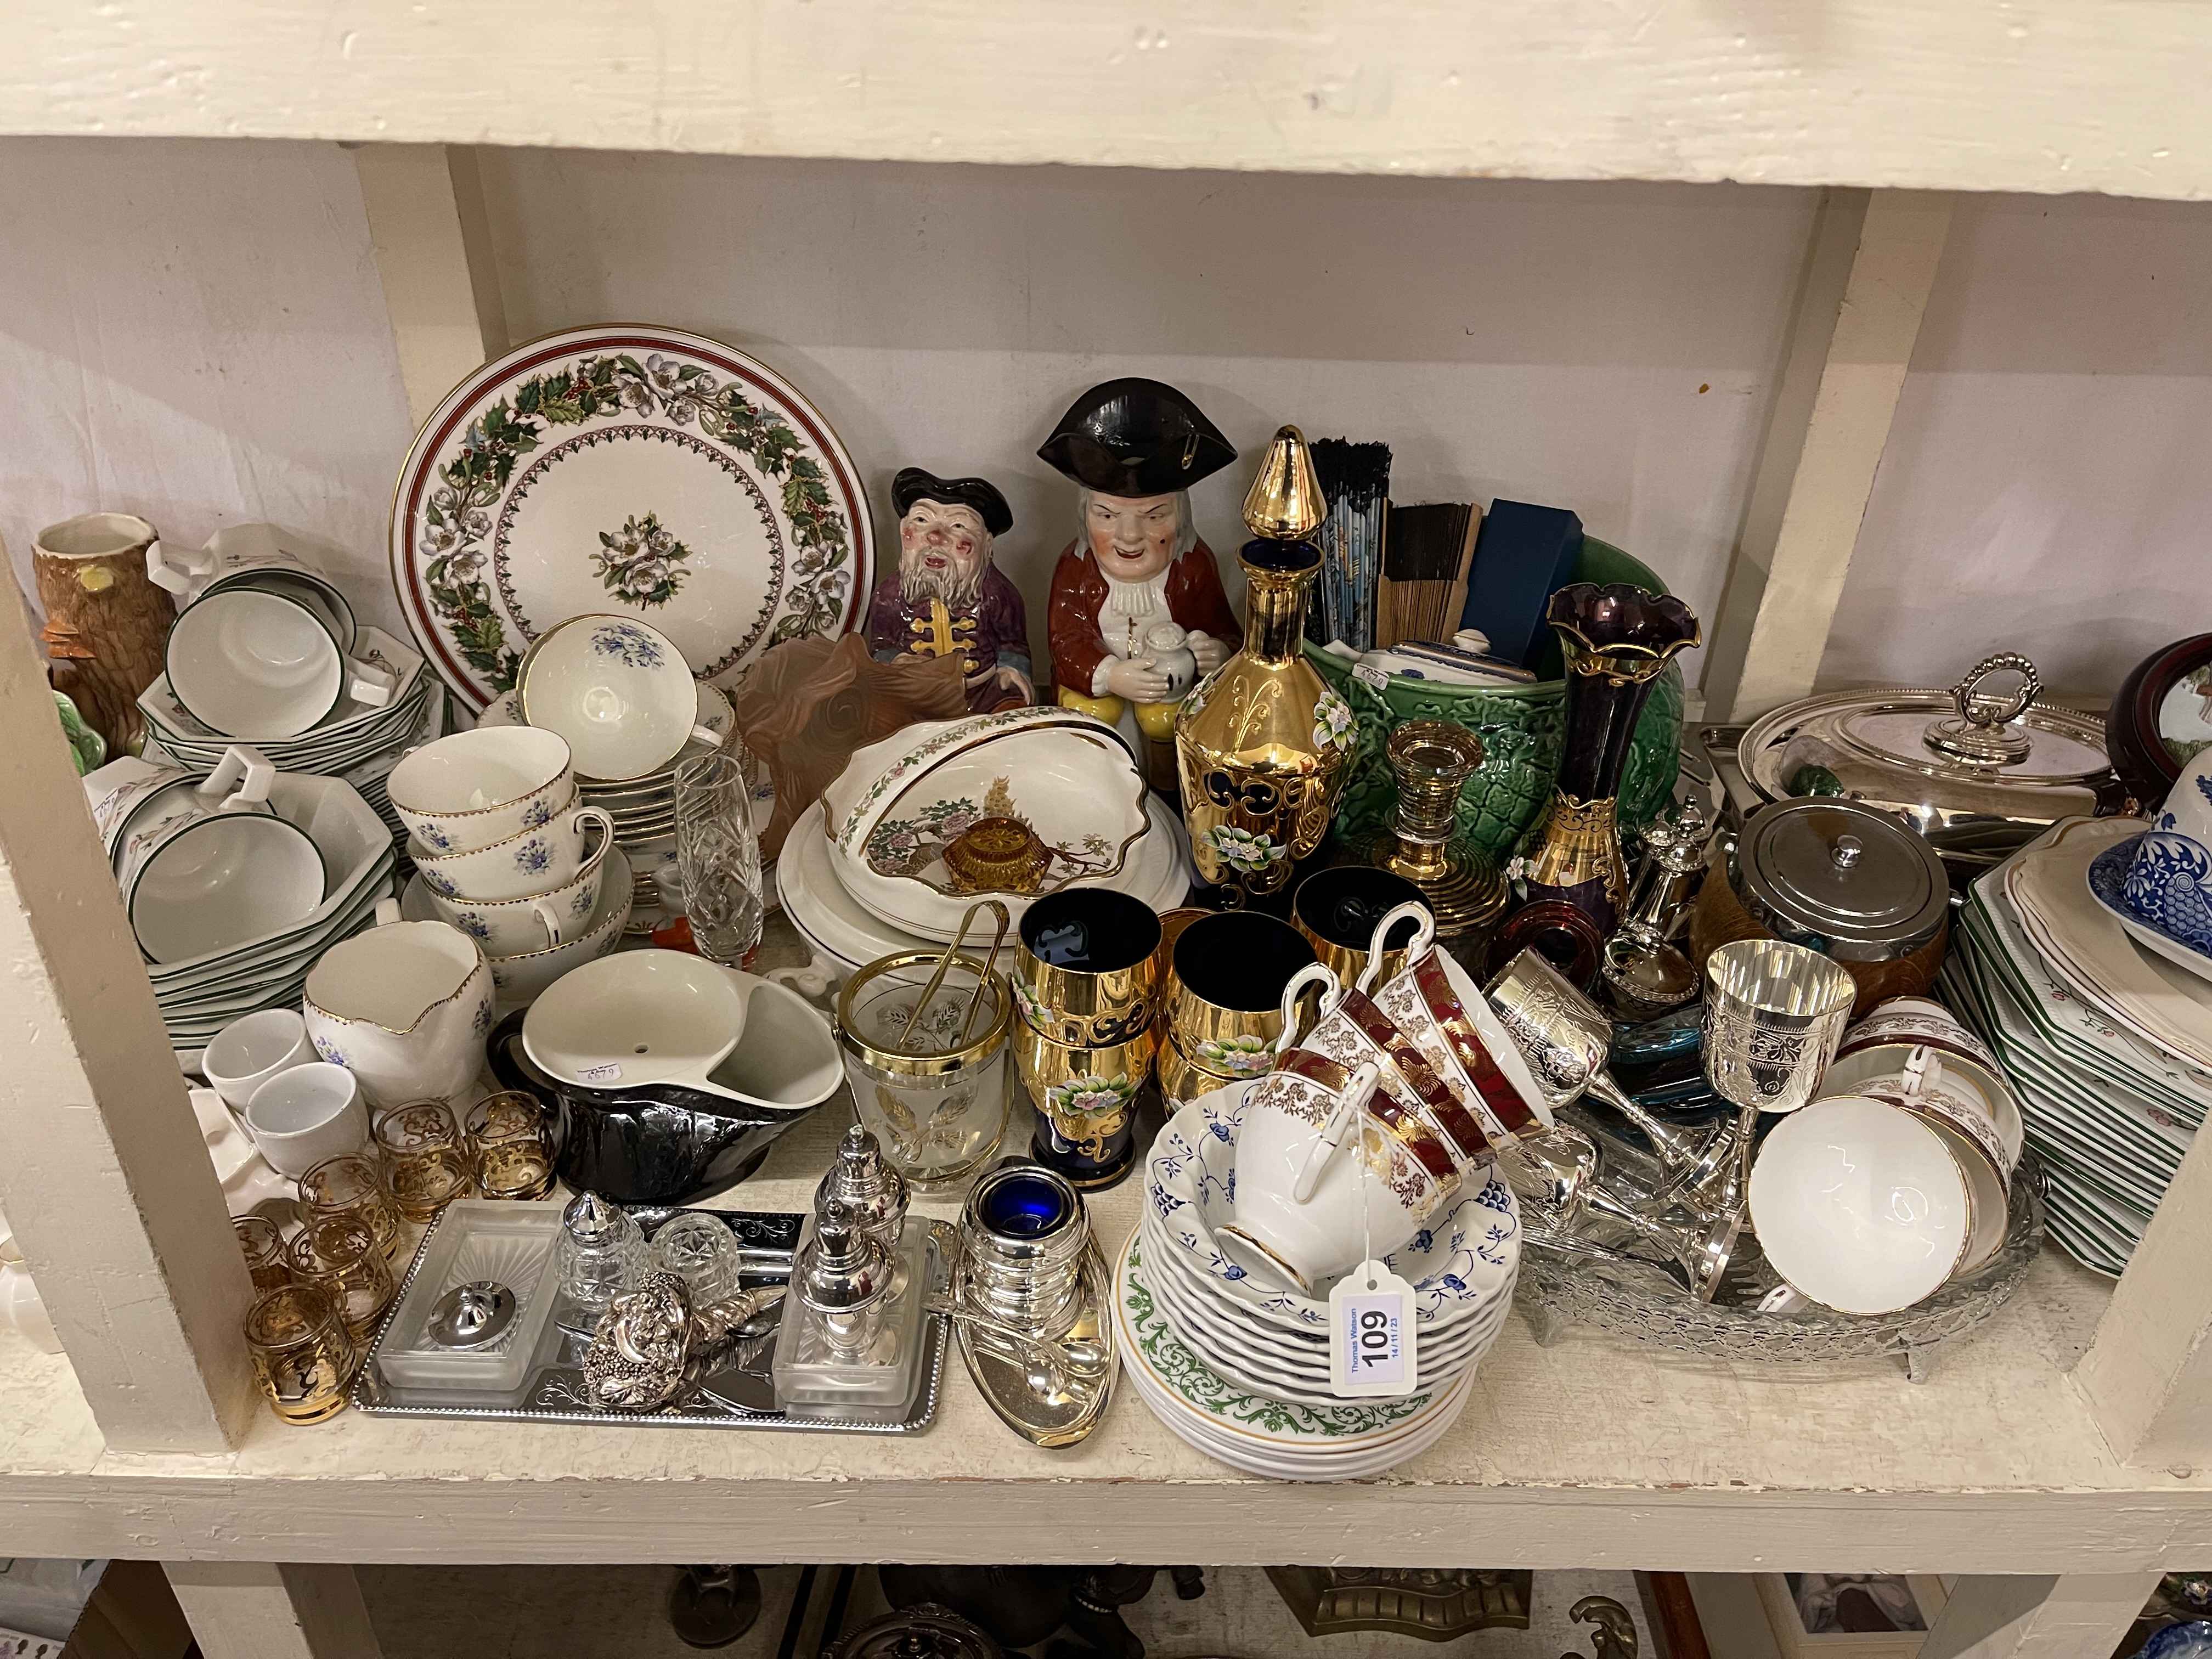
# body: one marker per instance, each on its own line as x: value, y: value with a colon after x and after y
x: 601, y: 1253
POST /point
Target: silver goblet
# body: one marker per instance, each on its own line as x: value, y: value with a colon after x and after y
x: 1775, y: 1014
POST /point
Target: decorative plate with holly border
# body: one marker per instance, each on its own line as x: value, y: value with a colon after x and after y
x: 634, y: 470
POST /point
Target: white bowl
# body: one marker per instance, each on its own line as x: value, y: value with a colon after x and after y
x: 224, y: 881
x: 537, y: 921
x: 473, y: 788
x: 641, y: 1017
x: 1860, y: 1206
x: 618, y: 690
x: 252, y: 664
x: 532, y: 861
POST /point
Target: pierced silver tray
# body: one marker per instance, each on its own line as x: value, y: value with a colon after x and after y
x: 554, y: 1390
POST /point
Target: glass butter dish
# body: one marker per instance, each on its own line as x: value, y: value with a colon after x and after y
x: 477, y: 1305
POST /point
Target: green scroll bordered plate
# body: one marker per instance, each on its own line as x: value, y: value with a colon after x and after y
x: 1520, y: 729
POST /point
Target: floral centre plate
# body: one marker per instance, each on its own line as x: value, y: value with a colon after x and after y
x: 632, y: 470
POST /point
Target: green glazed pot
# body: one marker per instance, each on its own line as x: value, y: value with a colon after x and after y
x: 1520, y: 727
x: 88, y: 749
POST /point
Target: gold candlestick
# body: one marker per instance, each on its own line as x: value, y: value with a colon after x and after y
x: 1433, y: 760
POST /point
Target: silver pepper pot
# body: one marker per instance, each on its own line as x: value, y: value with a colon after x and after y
x: 861, y: 1179
x: 842, y: 1275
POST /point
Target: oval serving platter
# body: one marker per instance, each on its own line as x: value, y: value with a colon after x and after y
x: 628, y: 469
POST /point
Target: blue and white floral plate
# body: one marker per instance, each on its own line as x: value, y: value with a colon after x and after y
x: 1458, y: 1265
x: 2164, y: 909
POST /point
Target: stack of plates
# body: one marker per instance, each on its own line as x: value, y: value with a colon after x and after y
x: 1344, y: 1440
x: 1271, y: 1344
x: 2108, y: 1046
x: 352, y: 734
x: 201, y: 995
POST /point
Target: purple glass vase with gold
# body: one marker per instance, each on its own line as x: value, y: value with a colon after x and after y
x: 1617, y: 640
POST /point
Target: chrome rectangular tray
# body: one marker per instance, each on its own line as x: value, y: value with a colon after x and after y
x: 554, y: 1391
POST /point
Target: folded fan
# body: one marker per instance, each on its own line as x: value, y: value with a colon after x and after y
x: 1427, y: 552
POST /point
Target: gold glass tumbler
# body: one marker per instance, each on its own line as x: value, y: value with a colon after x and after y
x: 301, y: 1353
x: 511, y: 1137
x: 426, y: 1163
x: 353, y: 1185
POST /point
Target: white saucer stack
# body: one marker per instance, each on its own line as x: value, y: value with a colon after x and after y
x: 1240, y: 1369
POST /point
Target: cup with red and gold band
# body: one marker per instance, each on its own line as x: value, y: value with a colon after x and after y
x: 1441, y: 1012
x: 1355, y: 1030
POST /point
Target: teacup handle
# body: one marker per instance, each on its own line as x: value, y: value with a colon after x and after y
x: 367, y: 684
x: 1425, y: 933
x: 247, y: 772
x: 1332, y: 993
x: 387, y: 912
x: 583, y: 815
x: 549, y: 915
x: 1359, y: 1089
x: 1922, y: 1071
x: 707, y: 735
x: 174, y: 572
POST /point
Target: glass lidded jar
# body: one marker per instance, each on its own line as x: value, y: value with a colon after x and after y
x: 930, y: 1081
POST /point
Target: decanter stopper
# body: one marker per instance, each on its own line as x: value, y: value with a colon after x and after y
x: 860, y: 1178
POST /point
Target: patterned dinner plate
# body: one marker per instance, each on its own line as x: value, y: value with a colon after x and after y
x: 1174, y: 1379
x: 632, y: 470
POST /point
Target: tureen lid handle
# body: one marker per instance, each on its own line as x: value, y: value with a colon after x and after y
x: 1983, y: 731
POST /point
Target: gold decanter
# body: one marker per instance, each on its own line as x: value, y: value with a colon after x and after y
x: 1262, y: 743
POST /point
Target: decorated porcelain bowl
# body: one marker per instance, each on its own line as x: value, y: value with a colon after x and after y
x: 641, y: 1017
x: 618, y: 690
x: 538, y: 922
x: 1459, y: 1262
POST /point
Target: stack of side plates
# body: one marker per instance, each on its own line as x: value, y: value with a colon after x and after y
x: 1344, y: 1440
x: 348, y: 735
x: 2108, y: 1045
x: 1189, y: 1308
x: 201, y: 995
x: 849, y: 935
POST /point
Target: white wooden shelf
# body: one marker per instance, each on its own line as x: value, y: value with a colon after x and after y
x: 1591, y: 1453
x: 1980, y: 94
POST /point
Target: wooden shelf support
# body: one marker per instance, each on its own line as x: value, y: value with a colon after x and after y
x: 427, y: 223
x: 103, y: 1171
x: 266, y: 1610
x: 1868, y: 274
x: 2074, y: 1615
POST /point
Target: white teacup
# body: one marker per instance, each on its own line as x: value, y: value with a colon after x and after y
x: 250, y: 662
x: 212, y: 866
x: 303, y: 1115
x: 404, y: 1006
x: 540, y: 860
x: 475, y: 788
x: 1321, y: 1184
x: 510, y: 928
x: 619, y: 691
x: 248, y: 554
x: 247, y: 1052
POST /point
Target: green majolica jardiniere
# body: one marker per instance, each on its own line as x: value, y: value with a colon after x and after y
x: 1521, y: 728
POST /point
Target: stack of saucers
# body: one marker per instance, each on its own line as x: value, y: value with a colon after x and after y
x: 1216, y: 1353
x: 2107, y: 1043
x: 1025, y: 802
x: 200, y: 994
x: 356, y: 742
